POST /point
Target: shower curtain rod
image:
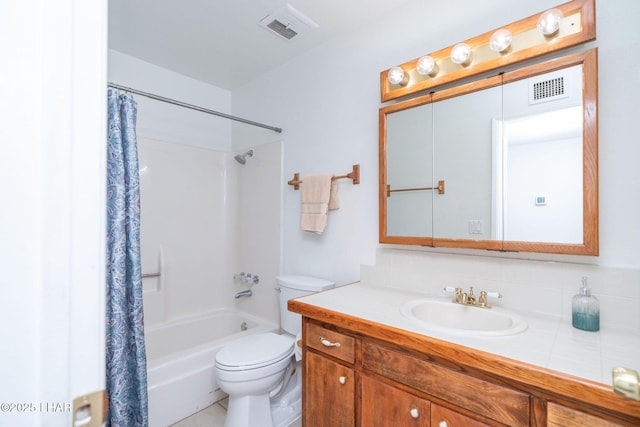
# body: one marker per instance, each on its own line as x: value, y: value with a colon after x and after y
x: 194, y: 107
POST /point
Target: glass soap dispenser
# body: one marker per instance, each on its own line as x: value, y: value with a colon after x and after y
x: 585, y: 309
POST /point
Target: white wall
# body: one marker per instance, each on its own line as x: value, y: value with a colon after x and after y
x: 327, y: 100
x: 552, y: 169
x: 53, y: 127
x: 167, y: 122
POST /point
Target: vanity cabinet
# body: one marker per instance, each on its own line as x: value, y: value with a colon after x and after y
x: 361, y: 373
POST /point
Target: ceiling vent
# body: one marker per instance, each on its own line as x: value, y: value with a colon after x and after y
x: 287, y: 23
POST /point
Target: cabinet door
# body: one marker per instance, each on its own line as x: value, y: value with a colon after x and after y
x: 329, y: 393
x: 443, y: 417
x: 387, y: 406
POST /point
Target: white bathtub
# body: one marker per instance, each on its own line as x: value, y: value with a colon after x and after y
x: 181, y: 360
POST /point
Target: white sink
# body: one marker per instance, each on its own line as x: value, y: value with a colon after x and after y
x: 442, y: 315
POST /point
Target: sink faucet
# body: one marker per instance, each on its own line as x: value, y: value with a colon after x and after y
x: 468, y: 298
x: 245, y: 293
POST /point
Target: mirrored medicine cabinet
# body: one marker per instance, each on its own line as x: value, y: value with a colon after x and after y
x: 507, y: 162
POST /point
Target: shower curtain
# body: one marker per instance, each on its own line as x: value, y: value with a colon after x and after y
x: 126, y: 368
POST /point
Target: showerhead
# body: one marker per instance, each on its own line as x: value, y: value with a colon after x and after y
x: 242, y: 158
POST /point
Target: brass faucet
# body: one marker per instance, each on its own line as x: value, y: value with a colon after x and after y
x: 468, y: 298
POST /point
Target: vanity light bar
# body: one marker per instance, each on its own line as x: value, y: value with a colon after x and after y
x: 567, y: 25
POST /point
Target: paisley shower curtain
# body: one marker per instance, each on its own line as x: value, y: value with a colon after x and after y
x: 126, y: 368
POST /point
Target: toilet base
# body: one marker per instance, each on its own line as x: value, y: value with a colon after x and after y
x: 250, y: 411
x: 261, y: 411
x: 288, y: 407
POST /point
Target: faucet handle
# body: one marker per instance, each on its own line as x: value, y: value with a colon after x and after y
x: 494, y: 294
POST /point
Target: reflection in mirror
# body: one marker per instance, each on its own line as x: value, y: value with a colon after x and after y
x: 518, y: 152
x: 462, y: 147
x: 410, y: 167
x: 541, y: 153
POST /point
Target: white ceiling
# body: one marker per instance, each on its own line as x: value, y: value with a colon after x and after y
x: 220, y: 42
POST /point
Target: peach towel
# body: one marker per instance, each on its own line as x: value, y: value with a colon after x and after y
x: 319, y: 194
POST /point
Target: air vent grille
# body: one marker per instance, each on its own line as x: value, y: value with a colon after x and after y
x: 282, y: 29
x: 287, y: 23
x: 547, y: 90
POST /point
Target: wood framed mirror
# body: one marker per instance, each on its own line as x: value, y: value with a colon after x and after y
x: 507, y: 163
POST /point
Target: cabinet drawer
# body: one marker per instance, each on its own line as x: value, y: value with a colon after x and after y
x: 386, y: 406
x: 330, y: 342
x: 561, y: 416
x: 493, y: 401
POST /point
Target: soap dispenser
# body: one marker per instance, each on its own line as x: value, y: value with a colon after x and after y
x: 585, y: 309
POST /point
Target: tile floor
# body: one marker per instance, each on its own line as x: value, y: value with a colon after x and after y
x: 213, y: 416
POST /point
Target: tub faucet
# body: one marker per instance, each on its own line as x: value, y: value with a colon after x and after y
x: 245, y: 293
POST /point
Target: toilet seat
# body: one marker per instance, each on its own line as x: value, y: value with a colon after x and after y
x: 254, y: 351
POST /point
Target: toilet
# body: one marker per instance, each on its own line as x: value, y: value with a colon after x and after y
x: 261, y: 373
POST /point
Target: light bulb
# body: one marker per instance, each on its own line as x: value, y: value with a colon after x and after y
x: 500, y: 40
x: 397, y: 76
x: 461, y: 54
x: 549, y: 22
x: 427, y: 66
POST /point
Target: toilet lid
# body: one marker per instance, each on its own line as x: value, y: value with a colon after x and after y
x: 255, y: 351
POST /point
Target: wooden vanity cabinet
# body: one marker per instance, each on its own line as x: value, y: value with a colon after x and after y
x: 360, y: 374
x: 349, y: 381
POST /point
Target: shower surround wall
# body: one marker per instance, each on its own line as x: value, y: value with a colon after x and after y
x: 211, y: 216
x: 186, y: 215
x: 208, y: 217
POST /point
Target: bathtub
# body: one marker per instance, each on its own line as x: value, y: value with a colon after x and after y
x: 181, y: 360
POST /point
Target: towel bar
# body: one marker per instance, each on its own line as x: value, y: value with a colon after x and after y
x: 440, y: 188
x: 354, y: 175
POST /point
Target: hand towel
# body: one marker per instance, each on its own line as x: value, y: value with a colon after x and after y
x: 334, y: 202
x: 315, y: 196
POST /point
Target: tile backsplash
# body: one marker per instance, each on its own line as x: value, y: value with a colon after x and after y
x: 543, y: 287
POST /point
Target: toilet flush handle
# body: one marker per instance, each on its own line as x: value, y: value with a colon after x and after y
x: 325, y: 342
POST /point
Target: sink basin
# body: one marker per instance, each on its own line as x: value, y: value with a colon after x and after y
x: 442, y: 315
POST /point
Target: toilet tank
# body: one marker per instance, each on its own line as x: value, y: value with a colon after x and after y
x: 295, y: 287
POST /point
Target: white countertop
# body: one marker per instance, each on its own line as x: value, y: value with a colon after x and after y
x: 548, y: 342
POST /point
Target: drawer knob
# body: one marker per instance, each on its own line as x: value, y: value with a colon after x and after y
x: 325, y: 342
x: 343, y: 380
x: 443, y: 424
x: 414, y: 413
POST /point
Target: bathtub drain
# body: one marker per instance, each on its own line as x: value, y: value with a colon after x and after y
x: 244, y: 326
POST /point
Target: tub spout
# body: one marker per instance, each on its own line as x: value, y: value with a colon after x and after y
x: 246, y: 293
